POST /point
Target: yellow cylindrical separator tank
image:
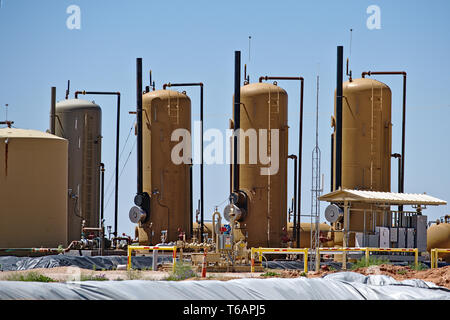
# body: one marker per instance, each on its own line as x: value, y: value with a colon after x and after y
x: 366, y: 140
x: 438, y: 236
x: 167, y: 182
x: 264, y: 118
x: 80, y: 122
x: 33, y: 189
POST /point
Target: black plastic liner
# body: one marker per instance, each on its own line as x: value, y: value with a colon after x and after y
x: 11, y: 263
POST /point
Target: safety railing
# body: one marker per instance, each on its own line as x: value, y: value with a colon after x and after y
x: 435, y: 255
x: 368, y: 250
x: 151, y: 248
x: 304, y: 251
x: 415, y: 250
x: 261, y: 251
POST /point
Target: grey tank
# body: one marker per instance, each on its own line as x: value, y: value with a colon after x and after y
x: 79, y: 121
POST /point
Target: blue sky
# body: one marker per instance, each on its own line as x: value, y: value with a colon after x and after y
x: 195, y: 41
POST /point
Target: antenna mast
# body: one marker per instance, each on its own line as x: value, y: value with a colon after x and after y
x: 316, y: 189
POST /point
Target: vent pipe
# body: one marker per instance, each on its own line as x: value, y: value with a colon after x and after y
x: 140, y: 188
x: 53, y: 111
x: 237, y: 117
x: 339, y: 90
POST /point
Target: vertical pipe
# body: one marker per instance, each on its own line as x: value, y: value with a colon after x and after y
x: 53, y: 111
x: 191, y: 215
x: 295, y: 223
x: 201, y: 165
x: 116, y: 192
x: 300, y: 143
x: 403, y: 137
x: 237, y: 119
x: 345, y: 238
x: 339, y: 90
x: 332, y: 163
x: 68, y: 89
x: 139, y: 124
x: 102, y: 191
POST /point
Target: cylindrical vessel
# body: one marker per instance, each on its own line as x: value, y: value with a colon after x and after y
x: 79, y: 121
x: 263, y: 145
x: 305, y: 234
x: 366, y: 141
x: 366, y: 135
x: 166, y: 161
x: 33, y: 189
x: 438, y: 236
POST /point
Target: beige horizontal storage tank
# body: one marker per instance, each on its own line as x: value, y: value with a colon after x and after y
x: 264, y: 106
x: 438, y: 236
x: 167, y: 182
x: 33, y: 189
x: 305, y: 234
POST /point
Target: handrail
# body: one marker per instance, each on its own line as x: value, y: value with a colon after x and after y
x: 434, y: 256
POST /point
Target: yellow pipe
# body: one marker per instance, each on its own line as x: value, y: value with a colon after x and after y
x: 252, y: 260
x: 416, y: 258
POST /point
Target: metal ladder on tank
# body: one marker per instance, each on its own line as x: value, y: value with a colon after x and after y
x: 274, y: 110
x: 87, y: 176
x: 174, y: 111
x: 375, y: 161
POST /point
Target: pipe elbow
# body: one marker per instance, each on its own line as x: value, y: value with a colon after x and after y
x: 165, y: 85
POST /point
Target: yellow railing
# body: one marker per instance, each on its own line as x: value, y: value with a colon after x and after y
x: 434, y: 256
x: 368, y: 250
x: 415, y: 250
x: 330, y: 250
x: 261, y: 251
x: 151, y: 248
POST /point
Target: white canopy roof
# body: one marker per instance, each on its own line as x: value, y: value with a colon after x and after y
x: 390, y: 198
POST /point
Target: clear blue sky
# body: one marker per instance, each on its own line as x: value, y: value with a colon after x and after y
x: 196, y: 40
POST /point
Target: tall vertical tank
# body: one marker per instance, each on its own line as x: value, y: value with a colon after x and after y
x: 33, y: 189
x: 263, y: 107
x: 366, y: 140
x: 79, y: 121
x: 167, y: 182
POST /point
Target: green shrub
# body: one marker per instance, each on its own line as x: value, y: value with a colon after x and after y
x: 182, y: 271
x: 303, y: 274
x: 420, y: 266
x: 373, y: 261
x: 29, y: 276
x: 270, y: 274
x: 402, y: 272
